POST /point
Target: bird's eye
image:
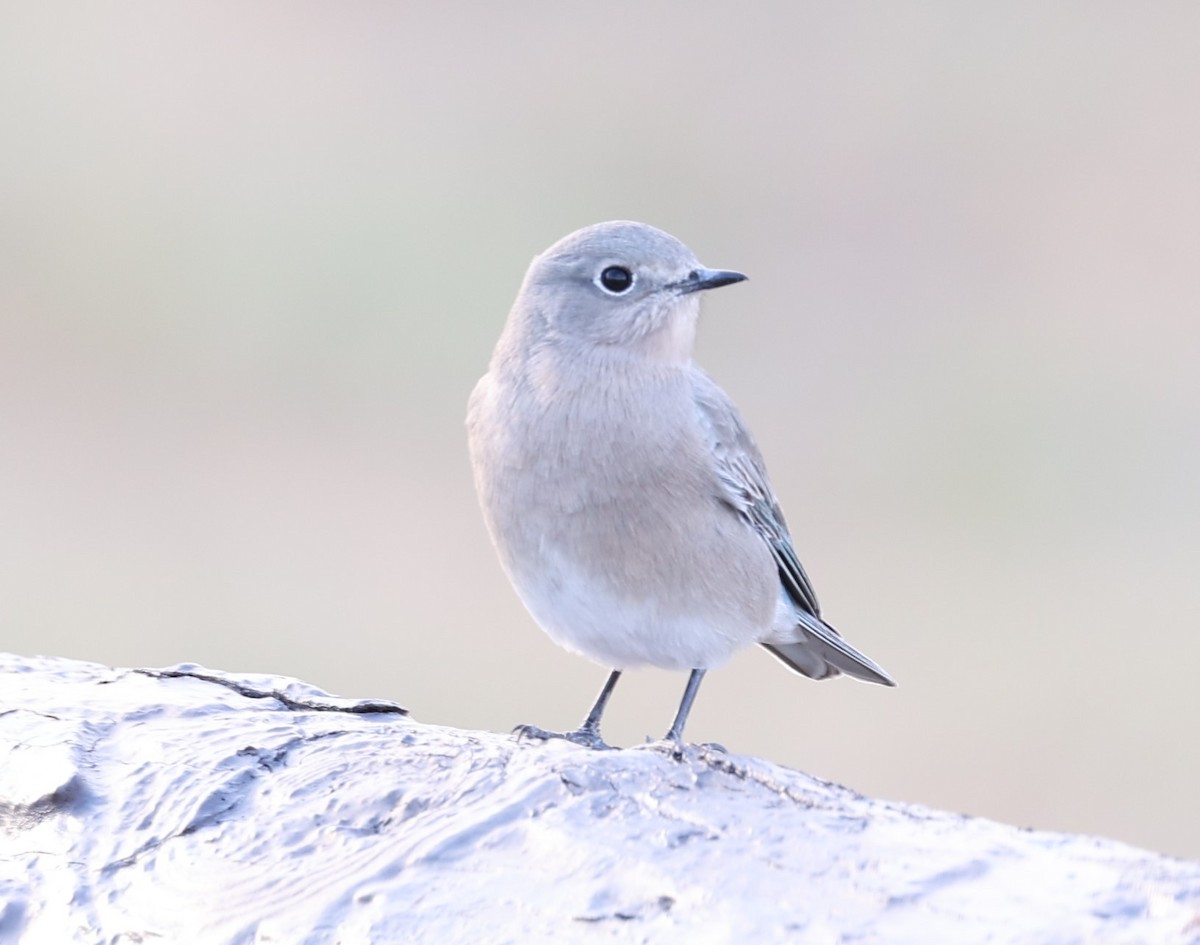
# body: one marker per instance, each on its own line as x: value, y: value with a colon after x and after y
x: 616, y: 279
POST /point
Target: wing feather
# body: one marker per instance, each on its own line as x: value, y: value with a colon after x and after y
x: 819, y: 651
x: 743, y: 475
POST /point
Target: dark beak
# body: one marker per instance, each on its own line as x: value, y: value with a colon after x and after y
x: 699, y: 279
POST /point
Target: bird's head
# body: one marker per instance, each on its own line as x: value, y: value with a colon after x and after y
x: 621, y: 285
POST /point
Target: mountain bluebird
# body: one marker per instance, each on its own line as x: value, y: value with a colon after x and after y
x: 626, y: 498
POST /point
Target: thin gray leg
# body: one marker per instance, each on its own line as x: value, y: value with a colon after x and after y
x: 689, y: 696
x: 588, y: 734
x: 591, y: 725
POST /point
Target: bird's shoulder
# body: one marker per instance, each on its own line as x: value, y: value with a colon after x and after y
x: 736, y: 455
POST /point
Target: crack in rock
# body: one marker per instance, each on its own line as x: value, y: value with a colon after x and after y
x: 290, y: 702
x: 722, y: 764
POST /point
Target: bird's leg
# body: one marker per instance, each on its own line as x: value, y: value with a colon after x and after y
x: 588, y: 734
x: 675, y: 735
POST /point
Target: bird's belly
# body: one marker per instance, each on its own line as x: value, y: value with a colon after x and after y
x: 582, y: 612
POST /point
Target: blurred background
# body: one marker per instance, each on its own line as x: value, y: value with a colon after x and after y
x: 253, y: 258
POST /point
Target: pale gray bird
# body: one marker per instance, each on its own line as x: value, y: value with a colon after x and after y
x: 626, y: 498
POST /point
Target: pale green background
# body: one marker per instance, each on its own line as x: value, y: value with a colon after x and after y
x: 253, y: 257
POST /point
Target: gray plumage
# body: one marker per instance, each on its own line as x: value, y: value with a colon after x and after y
x: 627, y: 499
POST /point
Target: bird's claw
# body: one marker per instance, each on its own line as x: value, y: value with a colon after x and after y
x: 674, y: 748
x: 584, y: 737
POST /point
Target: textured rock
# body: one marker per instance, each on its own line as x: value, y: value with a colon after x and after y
x: 189, y: 806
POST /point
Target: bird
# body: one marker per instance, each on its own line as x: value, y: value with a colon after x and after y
x: 625, y: 496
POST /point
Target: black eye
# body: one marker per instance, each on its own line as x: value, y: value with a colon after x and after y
x: 616, y: 279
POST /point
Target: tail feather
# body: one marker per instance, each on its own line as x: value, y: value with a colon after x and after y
x: 821, y: 653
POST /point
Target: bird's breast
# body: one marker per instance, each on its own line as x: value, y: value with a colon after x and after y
x: 607, y: 476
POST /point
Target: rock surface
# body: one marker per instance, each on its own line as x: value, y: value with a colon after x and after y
x: 189, y: 806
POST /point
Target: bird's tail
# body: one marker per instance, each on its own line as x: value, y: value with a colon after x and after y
x: 821, y: 653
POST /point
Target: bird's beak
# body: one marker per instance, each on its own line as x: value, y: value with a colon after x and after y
x: 699, y: 279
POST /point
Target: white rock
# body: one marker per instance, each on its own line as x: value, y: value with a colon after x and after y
x: 188, y: 806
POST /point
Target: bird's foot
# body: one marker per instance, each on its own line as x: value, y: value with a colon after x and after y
x: 676, y: 748
x: 671, y: 747
x: 588, y: 738
x: 584, y: 736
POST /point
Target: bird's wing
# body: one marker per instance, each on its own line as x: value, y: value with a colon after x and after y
x: 820, y: 652
x: 743, y: 476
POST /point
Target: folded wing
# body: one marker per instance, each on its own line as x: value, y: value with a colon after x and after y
x: 819, y: 651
